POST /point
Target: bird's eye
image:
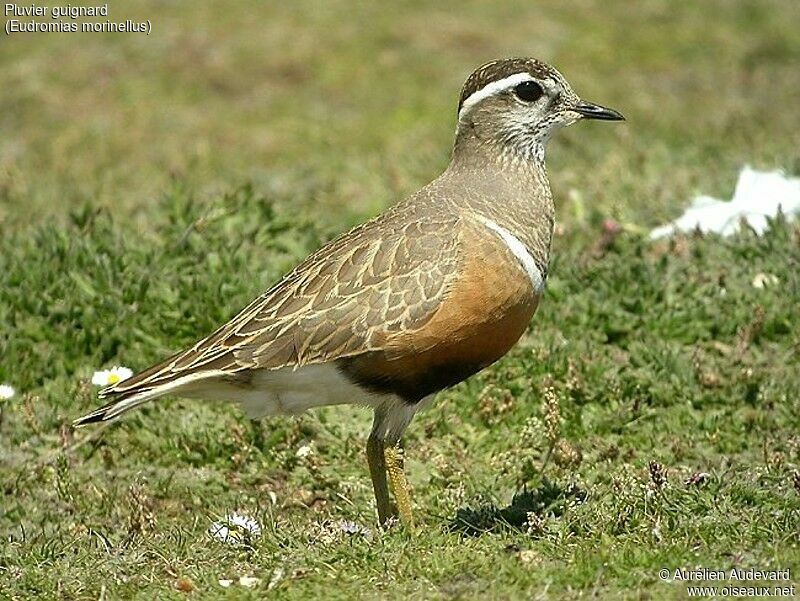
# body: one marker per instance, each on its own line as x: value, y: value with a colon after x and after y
x: 529, y: 91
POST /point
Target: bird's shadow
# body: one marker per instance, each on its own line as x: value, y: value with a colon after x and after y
x: 546, y: 499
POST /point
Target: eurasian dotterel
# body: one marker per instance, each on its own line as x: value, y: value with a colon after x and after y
x: 433, y: 290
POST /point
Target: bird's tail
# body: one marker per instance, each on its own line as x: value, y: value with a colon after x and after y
x: 120, y: 404
x: 154, y: 382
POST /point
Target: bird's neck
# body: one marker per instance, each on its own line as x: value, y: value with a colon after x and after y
x: 508, y: 187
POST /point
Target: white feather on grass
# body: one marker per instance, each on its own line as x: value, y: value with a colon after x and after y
x: 759, y: 196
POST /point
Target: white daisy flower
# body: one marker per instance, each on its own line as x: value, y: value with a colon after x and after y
x: 765, y: 280
x: 351, y: 528
x: 249, y: 581
x: 108, y: 377
x: 235, y: 528
x: 304, y: 451
x: 277, y: 575
x: 6, y: 392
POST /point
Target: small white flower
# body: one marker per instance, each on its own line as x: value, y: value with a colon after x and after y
x: 354, y: 529
x: 109, y: 377
x: 277, y: 575
x: 304, y: 451
x: 6, y: 392
x: 235, y: 529
x: 249, y: 581
x: 224, y: 582
x: 764, y: 280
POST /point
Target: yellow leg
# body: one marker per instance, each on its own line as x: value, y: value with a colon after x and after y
x: 377, y: 471
x: 393, y: 460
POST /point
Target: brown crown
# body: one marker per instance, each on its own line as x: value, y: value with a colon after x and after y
x: 499, y: 69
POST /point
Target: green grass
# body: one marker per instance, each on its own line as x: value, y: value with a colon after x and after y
x: 150, y: 187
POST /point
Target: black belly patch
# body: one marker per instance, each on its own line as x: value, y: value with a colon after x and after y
x: 412, y: 387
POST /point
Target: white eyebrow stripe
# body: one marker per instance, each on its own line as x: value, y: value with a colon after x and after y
x: 518, y: 249
x: 490, y: 89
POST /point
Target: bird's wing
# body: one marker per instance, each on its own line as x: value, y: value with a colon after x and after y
x: 348, y: 298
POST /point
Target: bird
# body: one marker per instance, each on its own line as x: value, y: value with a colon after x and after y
x: 433, y: 290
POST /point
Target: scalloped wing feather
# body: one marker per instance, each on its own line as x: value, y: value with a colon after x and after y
x: 385, y: 276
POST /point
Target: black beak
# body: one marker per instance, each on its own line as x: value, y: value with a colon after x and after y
x: 595, y: 111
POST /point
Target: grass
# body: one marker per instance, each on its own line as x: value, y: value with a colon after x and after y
x: 150, y: 187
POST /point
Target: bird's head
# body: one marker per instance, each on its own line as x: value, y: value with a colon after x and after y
x: 518, y: 103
